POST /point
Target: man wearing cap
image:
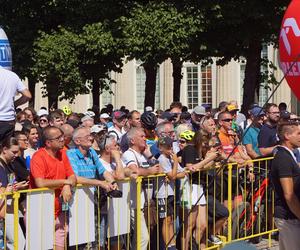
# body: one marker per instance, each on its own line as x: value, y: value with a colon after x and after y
x: 233, y: 110
x: 119, y: 121
x: 87, y: 121
x: 251, y: 134
x: 104, y: 118
x: 197, y: 114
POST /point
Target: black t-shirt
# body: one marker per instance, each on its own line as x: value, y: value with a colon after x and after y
x: 284, y: 166
x: 267, y: 136
x: 20, y: 169
x: 3, y: 174
x: 190, y: 156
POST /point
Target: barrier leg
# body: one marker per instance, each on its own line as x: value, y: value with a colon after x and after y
x: 138, y: 212
x: 229, y: 201
x: 16, y: 197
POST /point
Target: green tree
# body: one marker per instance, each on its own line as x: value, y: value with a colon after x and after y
x: 70, y: 64
x: 237, y: 30
x: 144, y: 38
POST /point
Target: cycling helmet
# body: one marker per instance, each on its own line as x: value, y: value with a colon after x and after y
x: 67, y: 110
x: 148, y: 120
x: 187, y: 135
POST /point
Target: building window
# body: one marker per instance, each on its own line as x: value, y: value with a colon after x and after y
x: 140, y: 88
x: 242, y: 78
x: 206, y: 84
x: 106, y: 97
x: 192, y: 87
x: 263, y: 89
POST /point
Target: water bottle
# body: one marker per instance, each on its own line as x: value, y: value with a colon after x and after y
x: 28, y: 162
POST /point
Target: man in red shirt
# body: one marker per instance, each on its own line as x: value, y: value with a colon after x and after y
x: 50, y: 168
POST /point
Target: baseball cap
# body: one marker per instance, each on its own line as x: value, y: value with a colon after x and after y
x: 148, y: 109
x: 285, y: 114
x: 232, y: 107
x: 98, y: 128
x: 257, y: 111
x: 168, y: 116
x: 118, y: 114
x: 199, y: 110
x: 89, y: 113
x: 165, y: 141
x: 104, y: 116
x: 42, y: 112
x: 86, y: 118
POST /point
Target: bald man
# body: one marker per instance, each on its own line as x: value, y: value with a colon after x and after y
x: 68, y: 133
x: 51, y: 168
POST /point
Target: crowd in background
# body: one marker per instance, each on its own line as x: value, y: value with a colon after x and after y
x: 121, y: 143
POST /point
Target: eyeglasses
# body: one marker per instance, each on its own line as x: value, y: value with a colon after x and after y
x: 86, y: 137
x: 170, y: 133
x: 227, y: 120
x: 43, y: 120
x: 182, y: 141
x: 58, y: 138
x: 24, y: 139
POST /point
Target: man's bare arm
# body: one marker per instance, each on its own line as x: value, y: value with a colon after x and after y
x: 291, y: 199
x: 26, y: 96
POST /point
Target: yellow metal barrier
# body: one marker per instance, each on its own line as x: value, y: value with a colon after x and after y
x: 250, y: 208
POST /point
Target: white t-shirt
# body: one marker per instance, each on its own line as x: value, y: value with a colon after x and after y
x: 165, y: 189
x: 10, y: 85
x: 131, y: 157
x: 110, y: 167
x: 116, y: 133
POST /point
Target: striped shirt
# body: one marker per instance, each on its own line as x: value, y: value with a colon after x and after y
x: 85, y: 166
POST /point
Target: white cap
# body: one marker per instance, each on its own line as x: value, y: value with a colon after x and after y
x: 42, y: 112
x: 97, y: 128
x: 89, y: 113
x: 148, y: 109
x: 86, y: 118
x: 104, y: 116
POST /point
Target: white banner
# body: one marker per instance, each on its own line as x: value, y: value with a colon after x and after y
x: 82, y: 217
x: 119, y: 213
x: 40, y: 220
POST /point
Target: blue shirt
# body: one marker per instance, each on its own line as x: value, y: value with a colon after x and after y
x: 251, y: 137
x: 85, y: 166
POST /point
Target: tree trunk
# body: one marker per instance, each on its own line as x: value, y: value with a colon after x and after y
x: 52, y: 93
x: 31, y: 87
x: 252, y: 74
x: 150, y: 85
x: 177, y: 76
x: 96, y: 92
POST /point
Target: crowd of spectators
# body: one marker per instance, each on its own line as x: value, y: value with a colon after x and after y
x: 60, y: 148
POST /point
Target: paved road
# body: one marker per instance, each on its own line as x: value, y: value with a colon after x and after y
x: 263, y: 245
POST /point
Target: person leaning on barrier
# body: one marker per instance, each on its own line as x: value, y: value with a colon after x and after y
x: 50, y: 168
x: 111, y: 161
x: 165, y: 189
x: 85, y: 162
x: 138, y: 164
x: 285, y: 176
x: 9, y: 151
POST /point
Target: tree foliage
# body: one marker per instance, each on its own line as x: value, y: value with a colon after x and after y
x: 73, y: 62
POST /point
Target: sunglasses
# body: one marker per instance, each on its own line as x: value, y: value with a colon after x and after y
x: 182, y: 141
x: 227, y: 120
x: 43, y: 120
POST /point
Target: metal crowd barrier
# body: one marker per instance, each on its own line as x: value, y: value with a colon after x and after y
x: 235, y: 209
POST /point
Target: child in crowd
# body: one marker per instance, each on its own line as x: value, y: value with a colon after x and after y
x: 164, y: 191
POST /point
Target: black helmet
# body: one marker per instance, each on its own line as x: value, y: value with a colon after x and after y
x: 148, y: 120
